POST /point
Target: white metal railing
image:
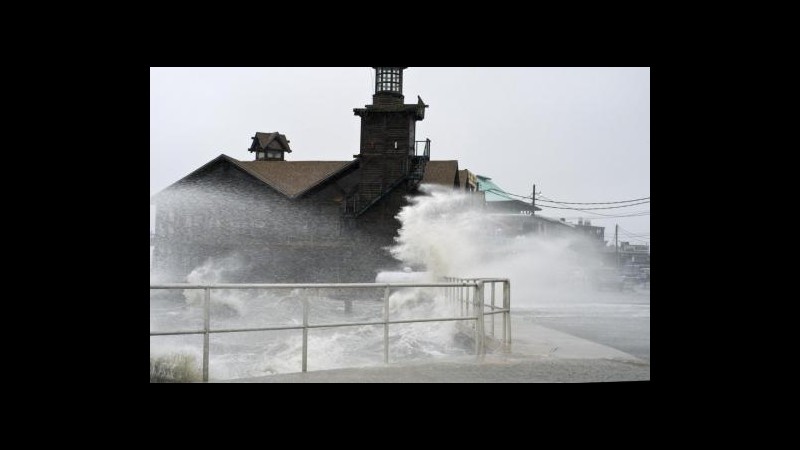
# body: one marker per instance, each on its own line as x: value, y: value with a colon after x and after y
x: 458, y: 293
x: 460, y: 298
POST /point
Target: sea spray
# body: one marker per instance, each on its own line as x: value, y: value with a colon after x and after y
x: 443, y: 233
x: 450, y: 234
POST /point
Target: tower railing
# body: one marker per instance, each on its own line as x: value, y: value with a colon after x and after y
x: 422, y: 148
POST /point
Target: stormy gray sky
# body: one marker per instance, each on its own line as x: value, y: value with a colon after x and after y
x: 580, y: 134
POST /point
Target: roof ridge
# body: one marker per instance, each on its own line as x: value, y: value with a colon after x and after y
x: 326, y: 176
x: 257, y: 175
x: 279, y: 181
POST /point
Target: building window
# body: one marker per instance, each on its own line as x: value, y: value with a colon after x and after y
x: 273, y: 155
x: 388, y: 79
x: 260, y: 155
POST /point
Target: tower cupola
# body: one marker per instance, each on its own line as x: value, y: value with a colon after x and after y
x: 269, y: 146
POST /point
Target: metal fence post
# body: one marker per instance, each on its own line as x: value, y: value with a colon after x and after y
x: 480, y: 335
x: 461, y: 299
x: 466, y: 298
x: 494, y: 283
x: 386, y: 326
x: 305, y: 333
x: 507, y: 313
x: 206, y: 321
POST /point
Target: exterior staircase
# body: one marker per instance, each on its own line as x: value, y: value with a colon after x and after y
x: 368, y: 194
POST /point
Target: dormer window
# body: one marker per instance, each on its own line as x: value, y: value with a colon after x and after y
x: 269, y: 155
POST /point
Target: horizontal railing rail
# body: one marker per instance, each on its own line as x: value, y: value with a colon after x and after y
x: 452, y: 285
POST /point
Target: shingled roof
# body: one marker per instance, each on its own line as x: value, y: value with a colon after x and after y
x: 440, y: 172
x: 292, y: 178
x: 264, y: 139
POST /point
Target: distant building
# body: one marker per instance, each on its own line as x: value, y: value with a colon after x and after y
x: 594, y: 233
x: 634, y: 256
x: 468, y: 181
x: 304, y: 221
x: 517, y: 217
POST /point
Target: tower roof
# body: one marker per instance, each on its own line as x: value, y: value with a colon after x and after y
x: 263, y: 140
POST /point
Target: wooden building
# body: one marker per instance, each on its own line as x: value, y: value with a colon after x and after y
x: 303, y: 221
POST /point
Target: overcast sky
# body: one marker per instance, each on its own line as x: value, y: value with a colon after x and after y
x: 580, y: 134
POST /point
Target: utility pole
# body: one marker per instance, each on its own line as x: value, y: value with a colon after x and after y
x: 533, y: 200
x: 616, y: 243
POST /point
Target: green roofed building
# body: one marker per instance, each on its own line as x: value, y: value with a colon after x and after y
x: 493, y: 192
x: 514, y: 216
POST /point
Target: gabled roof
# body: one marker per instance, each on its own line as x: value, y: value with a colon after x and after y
x: 264, y: 139
x: 292, y: 178
x: 440, y: 172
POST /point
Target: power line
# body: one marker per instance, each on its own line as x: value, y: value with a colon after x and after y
x: 595, y: 219
x: 587, y: 209
x: 612, y: 216
x: 595, y: 203
x: 643, y: 235
x: 630, y: 233
x: 498, y: 191
x: 635, y: 240
x: 606, y: 216
x: 549, y: 200
x: 599, y: 214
